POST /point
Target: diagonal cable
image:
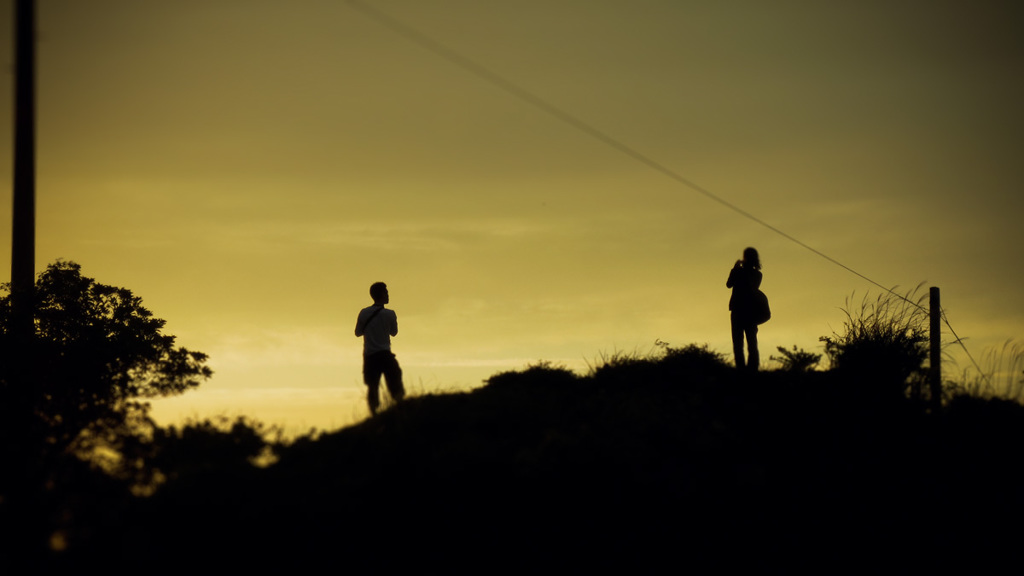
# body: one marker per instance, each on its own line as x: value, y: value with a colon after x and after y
x: 536, y: 101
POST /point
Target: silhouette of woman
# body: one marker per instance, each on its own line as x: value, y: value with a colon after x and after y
x: 745, y: 280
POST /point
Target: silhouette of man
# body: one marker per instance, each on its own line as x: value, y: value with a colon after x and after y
x: 376, y: 324
x: 745, y: 280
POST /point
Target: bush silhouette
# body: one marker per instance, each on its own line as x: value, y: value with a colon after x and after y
x: 663, y: 363
x: 695, y: 359
x: 543, y: 373
x: 624, y: 366
x: 884, y: 343
x: 796, y: 360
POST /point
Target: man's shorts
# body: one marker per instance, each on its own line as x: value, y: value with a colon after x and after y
x: 383, y: 363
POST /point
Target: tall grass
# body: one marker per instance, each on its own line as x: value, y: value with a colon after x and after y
x: 883, y: 342
x: 1001, y: 377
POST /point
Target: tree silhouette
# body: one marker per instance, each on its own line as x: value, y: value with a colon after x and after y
x: 98, y: 354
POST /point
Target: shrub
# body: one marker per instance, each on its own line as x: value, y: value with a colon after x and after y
x: 543, y: 373
x: 663, y: 363
x: 884, y: 343
x: 617, y: 362
x: 695, y: 358
x: 796, y: 360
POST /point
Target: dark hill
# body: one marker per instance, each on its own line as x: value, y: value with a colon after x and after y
x: 645, y: 466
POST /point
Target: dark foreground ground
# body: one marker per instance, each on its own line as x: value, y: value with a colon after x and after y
x: 646, y: 467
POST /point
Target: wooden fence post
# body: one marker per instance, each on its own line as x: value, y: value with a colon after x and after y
x: 935, y: 341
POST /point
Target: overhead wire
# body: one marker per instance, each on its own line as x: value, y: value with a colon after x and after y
x: 540, y: 103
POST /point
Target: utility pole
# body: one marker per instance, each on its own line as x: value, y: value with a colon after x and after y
x: 23, y: 245
x: 935, y: 342
x: 20, y: 475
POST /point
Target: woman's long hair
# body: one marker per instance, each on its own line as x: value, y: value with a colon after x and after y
x: 751, y: 259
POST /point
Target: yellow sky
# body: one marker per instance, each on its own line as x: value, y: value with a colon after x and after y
x: 249, y: 167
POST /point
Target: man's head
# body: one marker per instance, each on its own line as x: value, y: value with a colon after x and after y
x: 379, y: 293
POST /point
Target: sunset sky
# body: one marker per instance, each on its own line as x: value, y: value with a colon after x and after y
x: 250, y: 167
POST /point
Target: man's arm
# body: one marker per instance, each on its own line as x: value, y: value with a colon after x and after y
x: 359, y: 324
x: 394, y: 326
